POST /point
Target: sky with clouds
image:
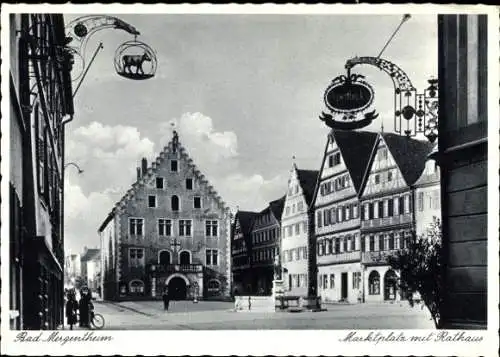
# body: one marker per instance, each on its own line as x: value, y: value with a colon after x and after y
x: 244, y: 93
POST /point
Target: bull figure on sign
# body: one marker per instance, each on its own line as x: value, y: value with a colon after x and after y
x: 136, y: 61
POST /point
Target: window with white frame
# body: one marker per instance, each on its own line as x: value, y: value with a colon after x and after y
x: 185, y: 227
x: 164, y: 227
x: 160, y: 183
x: 152, y: 201
x: 136, y: 287
x: 212, y: 257
x: 211, y: 228
x: 136, y: 226
x: 136, y: 257
x: 197, y: 202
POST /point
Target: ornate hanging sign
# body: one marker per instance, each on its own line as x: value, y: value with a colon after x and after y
x: 348, y: 98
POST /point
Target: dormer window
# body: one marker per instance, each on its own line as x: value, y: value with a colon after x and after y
x: 174, y: 166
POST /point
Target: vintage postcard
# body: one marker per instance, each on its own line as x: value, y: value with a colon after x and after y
x: 249, y: 179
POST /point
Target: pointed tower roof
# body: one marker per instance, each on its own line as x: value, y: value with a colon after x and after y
x: 410, y: 155
x: 356, y: 148
x: 308, y: 180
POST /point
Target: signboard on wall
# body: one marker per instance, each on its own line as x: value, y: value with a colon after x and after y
x: 348, y: 98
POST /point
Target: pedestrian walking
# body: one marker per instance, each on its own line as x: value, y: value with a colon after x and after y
x: 166, y: 298
x: 85, y: 306
x: 71, y: 309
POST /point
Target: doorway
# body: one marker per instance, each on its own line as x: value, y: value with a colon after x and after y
x: 343, y: 286
x: 390, y: 285
x: 177, y: 289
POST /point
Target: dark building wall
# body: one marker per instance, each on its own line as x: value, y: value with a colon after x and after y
x: 463, y: 161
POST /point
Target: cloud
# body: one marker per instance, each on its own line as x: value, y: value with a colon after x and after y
x: 107, y: 155
x: 83, y: 216
x: 215, y: 152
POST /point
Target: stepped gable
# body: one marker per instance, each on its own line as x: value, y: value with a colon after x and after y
x: 356, y: 148
x: 409, y: 154
x: 151, y: 171
x: 276, y: 207
x: 246, y: 220
x: 308, y: 180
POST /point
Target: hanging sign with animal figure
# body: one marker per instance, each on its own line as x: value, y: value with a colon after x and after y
x: 348, y: 98
x: 135, y: 60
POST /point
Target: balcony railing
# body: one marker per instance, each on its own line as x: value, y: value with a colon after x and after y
x: 386, y: 221
x: 176, y: 268
x: 380, y: 257
x: 340, y: 257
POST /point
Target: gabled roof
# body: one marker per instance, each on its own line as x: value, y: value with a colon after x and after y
x: 410, y: 155
x: 276, y: 207
x: 91, y: 254
x: 355, y: 148
x: 246, y: 220
x: 151, y: 171
x: 308, y: 180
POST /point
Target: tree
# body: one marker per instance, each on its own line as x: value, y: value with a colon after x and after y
x: 420, y: 266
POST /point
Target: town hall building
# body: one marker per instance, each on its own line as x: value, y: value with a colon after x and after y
x: 171, y: 229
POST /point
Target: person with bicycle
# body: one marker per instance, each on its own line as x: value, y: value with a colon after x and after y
x: 85, y: 307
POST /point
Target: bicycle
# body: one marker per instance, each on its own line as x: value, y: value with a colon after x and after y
x: 96, y: 320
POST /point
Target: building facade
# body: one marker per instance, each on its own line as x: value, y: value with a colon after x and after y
x: 41, y: 103
x: 295, y: 247
x: 337, y: 211
x: 387, y: 210
x: 266, y: 237
x: 463, y: 142
x: 241, y: 252
x: 427, y: 205
x: 90, y: 263
x: 171, y: 229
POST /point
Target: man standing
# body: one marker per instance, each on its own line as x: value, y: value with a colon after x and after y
x: 166, y: 298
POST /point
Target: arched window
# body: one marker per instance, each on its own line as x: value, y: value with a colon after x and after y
x: 185, y: 258
x: 175, y: 203
x: 136, y: 287
x: 164, y: 258
x: 374, y: 283
x: 213, y: 285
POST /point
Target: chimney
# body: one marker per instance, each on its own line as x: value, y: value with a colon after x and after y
x: 138, y: 173
x: 144, y: 166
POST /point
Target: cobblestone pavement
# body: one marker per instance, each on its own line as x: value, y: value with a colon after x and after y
x: 205, y: 315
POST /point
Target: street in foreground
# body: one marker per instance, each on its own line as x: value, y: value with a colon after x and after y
x: 206, y: 315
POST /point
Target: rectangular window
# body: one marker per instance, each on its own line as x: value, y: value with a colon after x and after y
x: 319, y: 216
x: 370, y: 210
x: 185, y: 227
x: 386, y: 208
x: 407, y: 203
x: 381, y: 240
x: 355, y: 213
x: 389, y: 176
x: 372, y: 243
x: 159, y: 183
x: 325, y: 281
x: 376, y: 209
x: 164, y: 227
x: 377, y: 179
x: 347, y: 212
x: 173, y: 166
x: 136, y: 257
x: 339, y: 214
x: 401, y: 205
x: 189, y: 184
x: 197, y: 201
x: 420, y: 201
x: 135, y: 226
x: 297, y: 228
x: 211, y: 228
x: 300, y: 206
x: 330, y: 161
x: 390, y: 208
x: 336, y: 159
x: 212, y: 257
x: 151, y: 201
